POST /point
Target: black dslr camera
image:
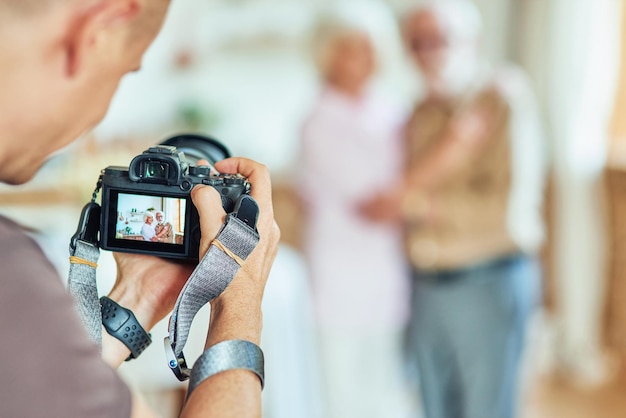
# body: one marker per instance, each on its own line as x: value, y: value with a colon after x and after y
x: 147, y: 208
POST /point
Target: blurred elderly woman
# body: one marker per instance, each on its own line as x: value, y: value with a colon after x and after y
x: 147, y: 230
x: 350, y: 150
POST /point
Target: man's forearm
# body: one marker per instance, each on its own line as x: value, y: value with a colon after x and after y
x: 234, y: 393
x: 235, y: 319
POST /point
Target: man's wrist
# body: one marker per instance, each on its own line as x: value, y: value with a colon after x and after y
x: 114, y: 351
x: 122, y: 324
x: 132, y: 299
x: 235, y: 316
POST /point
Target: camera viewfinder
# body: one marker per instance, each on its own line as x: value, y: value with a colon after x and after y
x: 156, y: 170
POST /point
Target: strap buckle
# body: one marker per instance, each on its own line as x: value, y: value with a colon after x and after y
x: 178, y: 365
x: 247, y: 210
x: 88, y: 226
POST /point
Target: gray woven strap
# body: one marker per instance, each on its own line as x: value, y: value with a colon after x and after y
x: 211, y: 277
x: 227, y: 355
x: 82, y: 286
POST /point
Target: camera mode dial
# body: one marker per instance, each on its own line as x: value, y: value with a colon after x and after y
x: 213, y: 181
x: 200, y: 171
x: 234, y: 180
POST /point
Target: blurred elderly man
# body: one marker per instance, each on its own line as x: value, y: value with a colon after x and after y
x: 471, y: 200
x: 60, y: 64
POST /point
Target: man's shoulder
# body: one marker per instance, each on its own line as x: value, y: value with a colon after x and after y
x: 11, y: 232
x: 7, y: 226
x: 39, y: 323
x: 18, y: 250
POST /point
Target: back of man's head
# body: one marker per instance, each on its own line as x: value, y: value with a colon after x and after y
x: 60, y: 64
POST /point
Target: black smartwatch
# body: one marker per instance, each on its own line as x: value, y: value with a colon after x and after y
x: 122, y: 324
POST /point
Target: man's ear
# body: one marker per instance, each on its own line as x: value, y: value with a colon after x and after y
x: 92, y: 25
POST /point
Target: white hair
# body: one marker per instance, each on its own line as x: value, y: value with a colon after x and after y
x: 148, y: 215
x: 463, y: 17
x: 372, y: 18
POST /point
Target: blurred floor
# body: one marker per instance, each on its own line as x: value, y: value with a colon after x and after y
x: 554, y: 397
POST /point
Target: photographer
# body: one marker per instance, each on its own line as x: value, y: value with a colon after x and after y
x: 60, y: 64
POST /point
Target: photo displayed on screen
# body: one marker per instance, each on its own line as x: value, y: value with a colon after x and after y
x: 150, y: 219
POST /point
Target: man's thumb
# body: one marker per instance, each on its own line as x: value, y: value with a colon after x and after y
x: 212, y: 216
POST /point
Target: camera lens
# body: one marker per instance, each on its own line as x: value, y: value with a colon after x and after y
x: 198, y: 147
x: 155, y: 170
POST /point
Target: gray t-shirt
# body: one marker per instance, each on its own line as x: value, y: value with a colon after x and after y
x: 48, y: 366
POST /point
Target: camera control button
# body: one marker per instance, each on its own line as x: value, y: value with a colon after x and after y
x: 200, y: 171
x: 186, y: 185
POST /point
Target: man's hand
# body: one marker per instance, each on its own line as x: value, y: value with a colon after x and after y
x: 463, y: 140
x: 149, y: 286
x: 470, y: 128
x: 385, y: 207
x: 236, y: 313
x: 249, y: 284
x: 399, y: 205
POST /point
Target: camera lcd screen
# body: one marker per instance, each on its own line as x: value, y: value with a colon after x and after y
x: 151, y: 219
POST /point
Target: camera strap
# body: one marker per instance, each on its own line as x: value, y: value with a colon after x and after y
x: 82, y: 286
x: 84, y: 255
x: 234, y: 243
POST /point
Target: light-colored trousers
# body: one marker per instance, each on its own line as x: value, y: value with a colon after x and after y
x: 362, y: 374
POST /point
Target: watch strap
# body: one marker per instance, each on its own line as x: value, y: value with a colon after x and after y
x: 122, y: 324
x: 227, y: 355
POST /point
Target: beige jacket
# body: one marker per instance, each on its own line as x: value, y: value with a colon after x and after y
x: 489, y: 206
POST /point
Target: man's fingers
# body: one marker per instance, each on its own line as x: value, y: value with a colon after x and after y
x: 212, y: 216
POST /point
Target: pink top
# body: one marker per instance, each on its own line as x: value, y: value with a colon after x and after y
x: 351, y: 149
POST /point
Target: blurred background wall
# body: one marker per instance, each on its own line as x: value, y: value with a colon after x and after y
x: 240, y: 70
